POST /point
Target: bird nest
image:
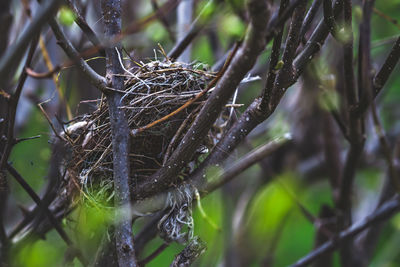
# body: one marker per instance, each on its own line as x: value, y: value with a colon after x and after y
x: 153, y: 91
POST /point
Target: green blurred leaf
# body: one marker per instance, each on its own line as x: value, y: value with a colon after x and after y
x: 156, y: 32
x: 280, y: 126
x: 329, y: 100
x: 31, y: 157
x: 202, y: 51
x: 66, y: 16
x: 232, y: 26
x: 205, y: 9
x: 213, y: 173
x: 270, y: 205
x: 213, y: 206
x: 49, y: 252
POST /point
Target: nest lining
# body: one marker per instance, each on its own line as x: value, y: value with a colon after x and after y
x: 153, y: 91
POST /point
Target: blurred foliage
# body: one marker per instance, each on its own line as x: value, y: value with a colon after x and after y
x: 49, y: 252
x: 31, y: 157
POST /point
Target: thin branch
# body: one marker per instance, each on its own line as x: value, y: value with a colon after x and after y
x: 158, y: 202
x: 385, y: 212
x: 315, y: 42
x: 367, y: 242
x: 10, y: 139
x: 153, y: 255
x: 387, y: 67
x: 163, y: 20
x: 273, y: 61
x: 364, y: 58
x: 46, y: 210
x: 357, y: 139
x: 241, y: 64
x: 120, y: 138
x: 329, y: 18
x: 287, y: 73
x: 81, y: 22
x: 309, y: 18
x: 13, y: 103
x: 253, y: 115
x: 98, y: 81
x: 184, y: 41
x: 178, y: 49
x: 244, y: 163
x: 190, y: 253
x: 6, y: 19
x: 184, y: 19
x: 382, y: 76
x: 356, y: 143
x: 387, y: 17
x: 15, y: 52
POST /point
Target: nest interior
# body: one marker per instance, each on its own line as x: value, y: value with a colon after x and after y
x: 153, y: 91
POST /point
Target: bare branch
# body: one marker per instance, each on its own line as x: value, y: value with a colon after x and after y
x: 157, y: 202
x: 81, y: 22
x: 98, y: 81
x: 287, y: 73
x: 190, y: 253
x: 15, y: 52
x: 241, y: 64
x: 309, y: 18
x: 387, y: 67
x: 382, y: 76
x: 120, y: 138
x: 5, y: 24
x: 273, y: 61
x: 184, y: 19
x: 13, y: 103
x: 385, y: 212
x: 46, y: 210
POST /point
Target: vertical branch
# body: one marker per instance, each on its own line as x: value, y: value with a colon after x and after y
x: 344, y: 202
x: 364, y: 59
x: 5, y: 23
x: 355, y: 122
x: 287, y: 73
x: 184, y: 19
x: 10, y: 140
x: 273, y: 61
x: 120, y: 137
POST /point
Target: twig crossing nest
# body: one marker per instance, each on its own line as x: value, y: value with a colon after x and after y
x: 153, y: 91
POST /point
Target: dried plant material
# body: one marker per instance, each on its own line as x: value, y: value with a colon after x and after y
x: 190, y: 253
x: 153, y: 91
